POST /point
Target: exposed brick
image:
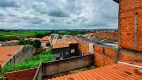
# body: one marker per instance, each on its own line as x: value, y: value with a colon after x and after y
x: 83, y: 47
x: 99, y: 59
x: 21, y: 75
x: 130, y: 56
x: 109, y: 61
x: 110, y: 52
x: 98, y: 49
x: 108, y: 35
x: 128, y: 9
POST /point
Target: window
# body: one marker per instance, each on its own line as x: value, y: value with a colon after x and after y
x: 72, y: 50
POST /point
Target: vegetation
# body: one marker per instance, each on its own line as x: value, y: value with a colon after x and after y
x: 35, y: 43
x: 32, y: 62
x: 17, y: 35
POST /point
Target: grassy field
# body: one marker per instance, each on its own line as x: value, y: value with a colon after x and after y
x: 20, y: 33
x: 32, y: 62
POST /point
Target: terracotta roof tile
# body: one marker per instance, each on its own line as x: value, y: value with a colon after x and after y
x: 62, y: 43
x: 32, y: 39
x: 6, y: 52
x: 46, y: 38
x: 112, y: 72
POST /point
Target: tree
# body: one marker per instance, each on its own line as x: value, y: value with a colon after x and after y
x: 36, y: 44
x: 39, y: 35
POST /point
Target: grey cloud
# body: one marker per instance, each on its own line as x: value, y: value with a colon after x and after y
x: 8, y: 3
x: 58, y: 13
x: 36, y: 20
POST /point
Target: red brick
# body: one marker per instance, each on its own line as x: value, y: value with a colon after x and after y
x: 130, y: 56
x: 83, y: 47
x: 109, y: 61
x: 21, y: 75
x: 98, y: 49
x: 110, y: 52
x: 128, y: 9
x: 99, y: 59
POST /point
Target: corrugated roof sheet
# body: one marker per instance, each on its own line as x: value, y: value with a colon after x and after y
x: 6, y: 52
x: 112, y: 72
x: 62, y: 43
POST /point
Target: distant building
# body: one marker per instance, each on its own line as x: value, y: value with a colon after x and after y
x: 45, y: 41
x: 32, y: 39
x: 65, y: 48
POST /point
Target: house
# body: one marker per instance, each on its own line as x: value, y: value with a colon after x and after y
x: 45, y: 41
x: 32, y: 39
x: 64, y: 48
x: 6, y: 52
x: 14, y: 54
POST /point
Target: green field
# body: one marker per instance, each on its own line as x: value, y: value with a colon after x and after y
x: 20, y: 33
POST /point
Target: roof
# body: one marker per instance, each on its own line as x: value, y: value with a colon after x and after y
x: 112, y: 72
x: 46, y: 38
x: 62, y: 43
x: 91, y: 35
x: 6, y: 52
x: 116, y: 1
x: 33, y: 39
x: 15, y: 41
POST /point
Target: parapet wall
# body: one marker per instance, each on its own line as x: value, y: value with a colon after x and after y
x: 22, y: 54
x: 21, y: 75
x: 52, y: 68
x: 83, y: 46
x: 104, y: 56
x: 130, y: 56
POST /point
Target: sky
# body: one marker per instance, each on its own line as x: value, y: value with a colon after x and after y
x: 58, y: 14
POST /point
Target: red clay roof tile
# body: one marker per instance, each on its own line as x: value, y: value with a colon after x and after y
x: 62, y: 43
x: 6, y: 52
x: 112, y: 72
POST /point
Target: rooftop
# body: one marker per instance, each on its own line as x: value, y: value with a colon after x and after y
x: 112, y: 72
x: 112, y: 43
x: 46, y: 38
x: 62, y: 43
x: 6, y: 52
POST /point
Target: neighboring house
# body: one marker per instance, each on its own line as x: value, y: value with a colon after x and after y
x: 32, y: 39
x: 45, y: 41
x: 65, y: 48
x: 14, y: 54
x: 9, y: 43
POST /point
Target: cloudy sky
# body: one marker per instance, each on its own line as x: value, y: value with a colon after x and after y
x: 58, y: 14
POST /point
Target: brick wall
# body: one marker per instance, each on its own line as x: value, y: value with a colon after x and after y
x: 0, y: 78
x: 104, y: 35
x: 130, y: 56
x: 128, y: 9
x: 110, y: 52
x: 98, y: 59
x: 83, y: 46
x: 21, y: 75
x: 108, y: 35
x: 104, y: 56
